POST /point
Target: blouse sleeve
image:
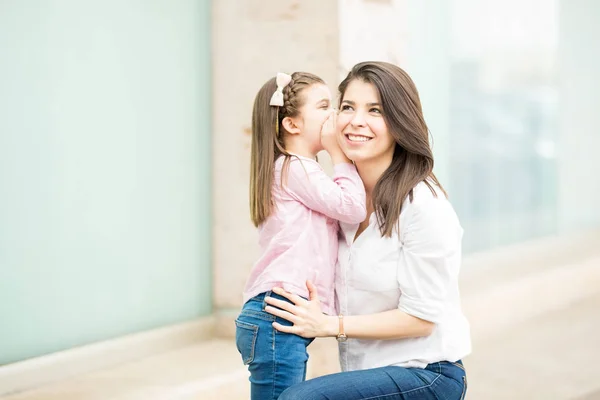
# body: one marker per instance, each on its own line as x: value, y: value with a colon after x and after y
x: 430, y: 258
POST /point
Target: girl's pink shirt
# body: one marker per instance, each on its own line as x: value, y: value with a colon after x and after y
x: 299, y: 241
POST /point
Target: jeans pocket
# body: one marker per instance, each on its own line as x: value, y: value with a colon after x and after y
x: 245, y: 340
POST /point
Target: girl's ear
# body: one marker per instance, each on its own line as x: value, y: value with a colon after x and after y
x: 291, y: 126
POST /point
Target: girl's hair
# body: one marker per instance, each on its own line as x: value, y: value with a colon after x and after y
x: 412, y: 161
x: 267, y: 139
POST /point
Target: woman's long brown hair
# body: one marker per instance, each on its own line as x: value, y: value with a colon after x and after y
x: 412, y: 161
x: 267, y: 139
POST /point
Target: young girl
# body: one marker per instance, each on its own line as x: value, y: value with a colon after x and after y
x: 295, y: 206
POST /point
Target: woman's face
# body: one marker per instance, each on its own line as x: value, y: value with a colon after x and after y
x: 365, y: 134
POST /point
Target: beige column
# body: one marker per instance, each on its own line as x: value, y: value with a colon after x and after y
x: 252, y: 41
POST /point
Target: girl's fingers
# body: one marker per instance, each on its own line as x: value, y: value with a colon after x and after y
x: 329, y: 122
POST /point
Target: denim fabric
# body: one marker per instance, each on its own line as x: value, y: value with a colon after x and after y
x: 275, y: 360
x: 438, y: 381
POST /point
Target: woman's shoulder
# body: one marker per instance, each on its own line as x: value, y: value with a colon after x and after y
x: 431, y: 218
x: 427, y: 193
x: 429, y: 205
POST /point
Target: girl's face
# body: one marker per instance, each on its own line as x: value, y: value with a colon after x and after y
x: 314, y: 112
x: 365, y: 134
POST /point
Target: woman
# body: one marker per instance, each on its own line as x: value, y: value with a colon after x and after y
x: 401, y: 330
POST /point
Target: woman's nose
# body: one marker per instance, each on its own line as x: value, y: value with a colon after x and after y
x: 358, y: 120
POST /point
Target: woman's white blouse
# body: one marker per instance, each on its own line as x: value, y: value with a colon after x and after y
x: 415, y: 271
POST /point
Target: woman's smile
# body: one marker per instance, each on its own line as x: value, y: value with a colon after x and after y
x: 357, y: 138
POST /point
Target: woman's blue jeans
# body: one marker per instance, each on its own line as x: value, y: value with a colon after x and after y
x: 438, y: 381
x: 275, y: 360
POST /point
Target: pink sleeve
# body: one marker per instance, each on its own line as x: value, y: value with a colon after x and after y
x: 342, y: 198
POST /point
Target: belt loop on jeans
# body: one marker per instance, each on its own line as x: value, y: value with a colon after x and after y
x: 267, y: 294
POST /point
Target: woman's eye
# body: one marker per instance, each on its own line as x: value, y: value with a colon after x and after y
x: 375, y: 110
x: 345, y: 107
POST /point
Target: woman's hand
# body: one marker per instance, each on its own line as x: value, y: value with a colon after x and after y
x: 306, y: 315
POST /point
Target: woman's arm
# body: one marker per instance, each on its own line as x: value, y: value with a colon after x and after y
x: 430, y: 259
x: 392, y: 324
x: 309, y: 321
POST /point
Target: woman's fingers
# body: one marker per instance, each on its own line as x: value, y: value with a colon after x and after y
x: 290, y: 296
x: 285, y: 328
x: 280, y: 304
x: 282, y: 314
x: 312, y: 291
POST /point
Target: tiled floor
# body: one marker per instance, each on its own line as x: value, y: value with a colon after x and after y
x: 209, y: 370
x: 553, y: 356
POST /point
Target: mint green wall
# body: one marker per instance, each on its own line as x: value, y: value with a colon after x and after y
x: 104, y: 170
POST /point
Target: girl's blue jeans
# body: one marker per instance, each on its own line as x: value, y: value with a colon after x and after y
x: 275, y: 360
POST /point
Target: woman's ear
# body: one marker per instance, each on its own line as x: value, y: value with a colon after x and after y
x: 290, y: 126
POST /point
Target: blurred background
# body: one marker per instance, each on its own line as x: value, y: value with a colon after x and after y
x: 125, y: 237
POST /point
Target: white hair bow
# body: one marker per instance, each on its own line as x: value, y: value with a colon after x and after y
x: 282, y: 81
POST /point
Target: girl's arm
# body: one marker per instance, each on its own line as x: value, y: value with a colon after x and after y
x: 342, y: 198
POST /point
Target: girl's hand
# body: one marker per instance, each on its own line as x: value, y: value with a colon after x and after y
x: 328, y: 132
x: 330, y: 139
x: 306, y: 315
